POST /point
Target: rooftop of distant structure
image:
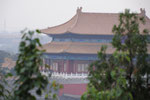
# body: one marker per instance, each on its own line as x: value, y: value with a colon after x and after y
x: 8, y: 63
x: 78, y: 47
x: 86, y: 23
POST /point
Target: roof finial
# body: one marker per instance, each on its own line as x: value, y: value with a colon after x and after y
x: 143, y: 12
x: 79, y: 9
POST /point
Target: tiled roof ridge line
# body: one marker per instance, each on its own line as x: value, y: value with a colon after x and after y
x: 100, y: 13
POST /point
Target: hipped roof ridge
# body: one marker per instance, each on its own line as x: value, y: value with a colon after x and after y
x: 90, y: 23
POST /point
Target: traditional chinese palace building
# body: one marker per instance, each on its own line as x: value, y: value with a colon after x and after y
x: 75, y: 43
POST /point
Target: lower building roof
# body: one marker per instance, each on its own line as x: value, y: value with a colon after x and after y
x: 78, y: 47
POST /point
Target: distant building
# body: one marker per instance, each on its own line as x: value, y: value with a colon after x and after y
x: 75, y: 43
x: 8, y: 63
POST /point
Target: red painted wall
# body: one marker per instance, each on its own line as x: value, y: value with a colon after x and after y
x: 73, y: 89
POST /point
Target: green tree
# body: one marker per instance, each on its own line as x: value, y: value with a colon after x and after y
x: 28, y: 75
x: 129, y: 38
x: 120, y: 76
x: 107, y: 79
x: 27, y: 68
x: 5, y: 93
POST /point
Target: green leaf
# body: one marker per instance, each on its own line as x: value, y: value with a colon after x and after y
x: 46, y: 96
x: 38, y: 31
x: 113, y: 74
x: 8, y: 75
x: 39, y: 92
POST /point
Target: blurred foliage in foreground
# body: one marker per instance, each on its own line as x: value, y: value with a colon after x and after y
x: 28, y: 75
x: 27, y: 68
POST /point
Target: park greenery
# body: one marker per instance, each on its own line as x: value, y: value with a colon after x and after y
x: 124, y: 75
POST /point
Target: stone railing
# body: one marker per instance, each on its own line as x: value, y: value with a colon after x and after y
x: 65, y: 75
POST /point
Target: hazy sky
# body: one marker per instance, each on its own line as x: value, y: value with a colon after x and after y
x: 18, y: 14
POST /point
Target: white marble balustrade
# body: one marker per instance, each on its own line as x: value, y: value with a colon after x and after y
x: 65, y: 75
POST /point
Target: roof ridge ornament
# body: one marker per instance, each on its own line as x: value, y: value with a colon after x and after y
x: 79, y: 10
x: 143, y: 12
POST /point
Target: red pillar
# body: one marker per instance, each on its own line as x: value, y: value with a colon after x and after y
x: 70, y: 66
